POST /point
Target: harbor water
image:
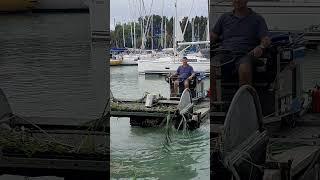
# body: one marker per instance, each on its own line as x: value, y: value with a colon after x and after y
x: 142, y: 152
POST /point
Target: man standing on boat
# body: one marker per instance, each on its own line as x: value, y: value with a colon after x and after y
x: 185, y: 74
x: 243, y: 31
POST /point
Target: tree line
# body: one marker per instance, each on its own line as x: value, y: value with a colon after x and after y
x: 200, y: 30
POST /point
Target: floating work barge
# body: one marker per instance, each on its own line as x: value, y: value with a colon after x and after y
x: 187, y: 108
x: 164, y: 109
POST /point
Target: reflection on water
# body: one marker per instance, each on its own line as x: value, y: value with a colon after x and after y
x: 140, y: 152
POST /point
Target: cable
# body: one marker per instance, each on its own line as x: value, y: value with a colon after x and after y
x: 36, y: 126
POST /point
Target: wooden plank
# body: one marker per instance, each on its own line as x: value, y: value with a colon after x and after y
x: 137, y: 114
x: 220, y: 102
x: 311, y: 141
x: 54, y: 123
x: 310, y: 116
x: 302, y: 156
x: 66, y: 132
x: 61, y: 164
x: 299, y: 132
x: 272, y: 119
x: 310, y: 123
x: 168, y: 102
x: 272, y: 174
x: 216, y: 128
x: 204, y: 112
x: 218, y: 113
x: 52, y: 120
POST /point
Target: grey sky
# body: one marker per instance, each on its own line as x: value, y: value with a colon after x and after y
x: 120, y: 12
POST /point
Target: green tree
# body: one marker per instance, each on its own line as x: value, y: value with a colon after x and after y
x: 117, y: 37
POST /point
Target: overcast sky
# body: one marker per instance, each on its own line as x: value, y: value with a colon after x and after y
x: 120, y: 11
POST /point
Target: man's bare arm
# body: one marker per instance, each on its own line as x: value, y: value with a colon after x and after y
x: 214, y: 37
x: 265, y: 42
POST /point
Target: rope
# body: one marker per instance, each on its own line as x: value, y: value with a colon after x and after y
x: 224, y: 63
x: 44, y: 132
x: 230, y: 161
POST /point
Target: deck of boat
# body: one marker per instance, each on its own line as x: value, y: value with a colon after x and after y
x: 295, y: 150
x: 160, y: 110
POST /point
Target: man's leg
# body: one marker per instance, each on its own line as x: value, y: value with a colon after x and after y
x: 175, y: 87
x: 245, y: 71
x: 186, y: 83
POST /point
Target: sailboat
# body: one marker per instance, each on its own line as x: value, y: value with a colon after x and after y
x: 164, y: 65
x: 134, y: 55
x: 116, y: 60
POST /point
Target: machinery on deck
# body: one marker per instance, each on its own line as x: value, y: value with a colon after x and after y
x: 196, y: 86
x: 274, y: 78
x: 238, y: 116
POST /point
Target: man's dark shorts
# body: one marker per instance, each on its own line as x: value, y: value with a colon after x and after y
x: 225, y: 59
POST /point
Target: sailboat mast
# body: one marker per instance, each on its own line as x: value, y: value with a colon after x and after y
x: 165, y: 34
x: 198, y: 32
x: 162, y: 24
x: 142, y: 26
x: 124, y: 40
x: 175, y: 30
x: 152, y: 32
x: 131, y: 32
x: 208, y: 31
x: 134, y: 36
x: 192, y: 30
x: 142, y: 33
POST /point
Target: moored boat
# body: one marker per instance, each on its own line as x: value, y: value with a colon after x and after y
x: 115, y: 62
x: 170, y: 64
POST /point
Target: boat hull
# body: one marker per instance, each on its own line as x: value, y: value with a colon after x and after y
x: 115, y: 62
x: 130, y: 60
x: 134, y: 59
x: 165, y: 66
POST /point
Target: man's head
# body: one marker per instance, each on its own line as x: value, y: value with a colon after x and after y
x: 184, y: 61
x: 239, y: 4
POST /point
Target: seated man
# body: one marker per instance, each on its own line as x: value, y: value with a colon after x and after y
x: 185, y: 74
x: 241, y: 30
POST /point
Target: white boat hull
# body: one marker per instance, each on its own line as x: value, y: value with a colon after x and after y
x: 130, y: 60
x: 134, y: 59
x: 168, y: 65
